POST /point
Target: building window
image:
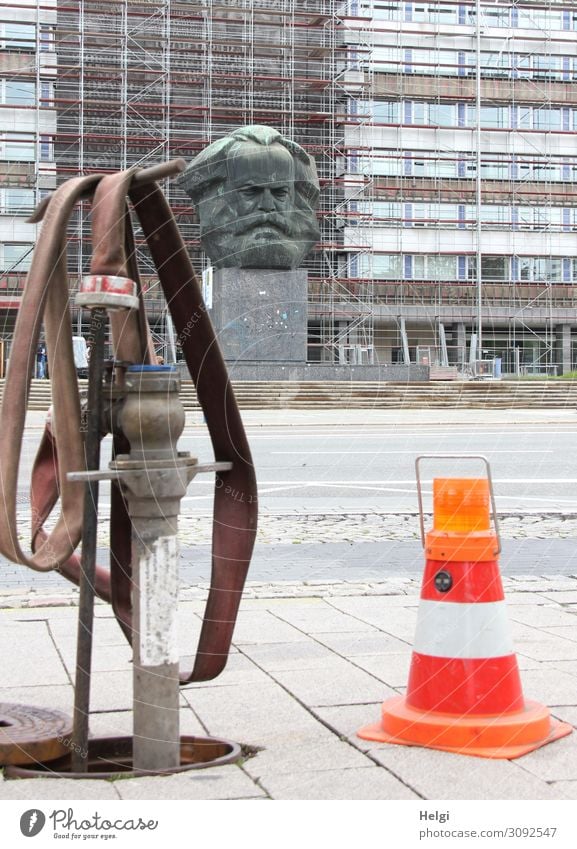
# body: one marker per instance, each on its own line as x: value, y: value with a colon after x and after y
x: 442, y: 114
x: 492, y: 16
x: 15, y: 257
x: 435, y: 267
x: 18, y: 93
x: 543, y: 19
x: 492, y: 170
x: 46, y: 37
x: 387, y: 11
x: 17, y: 147
x: 17, y: 201
x: 386, y: 111
x: 547, y: 119
x: 492, y: 268
x: 17, y: 37
x: 47, y: 93
x: 542, y: 269
x: 385, y: 266
x: 46, y: 148
x: 433, y: 13
x: 386, y: 59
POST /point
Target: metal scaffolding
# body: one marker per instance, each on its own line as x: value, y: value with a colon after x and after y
x: 449, y: 192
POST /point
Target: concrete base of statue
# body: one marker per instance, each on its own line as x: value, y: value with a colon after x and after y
x: 260, y: 315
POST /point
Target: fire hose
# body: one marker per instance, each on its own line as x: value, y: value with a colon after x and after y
x: 61, y: 450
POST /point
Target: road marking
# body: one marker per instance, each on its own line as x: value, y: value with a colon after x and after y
x: 392, y: 482
x: 377, y: 452
x: 385, y: 431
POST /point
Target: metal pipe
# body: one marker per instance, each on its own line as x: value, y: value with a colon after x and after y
x: 79, y: 750
x: 478, y: 187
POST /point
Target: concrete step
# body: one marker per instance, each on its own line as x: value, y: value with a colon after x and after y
x: 355, y: 394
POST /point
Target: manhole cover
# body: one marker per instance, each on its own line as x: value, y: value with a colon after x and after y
x: 32, y: 735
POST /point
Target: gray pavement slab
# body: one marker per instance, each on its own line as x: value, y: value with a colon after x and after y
x: 57, y: 789
x: 367, y: 783
x: 306, y: 672
x: 225, y: 782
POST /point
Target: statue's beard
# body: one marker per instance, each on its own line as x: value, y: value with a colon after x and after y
x: 262, y: 240
x: 268, y: 220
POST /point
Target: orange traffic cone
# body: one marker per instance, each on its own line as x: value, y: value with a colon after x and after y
x: 464, y: 692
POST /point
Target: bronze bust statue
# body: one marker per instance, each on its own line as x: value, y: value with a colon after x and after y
x: 256, y: 193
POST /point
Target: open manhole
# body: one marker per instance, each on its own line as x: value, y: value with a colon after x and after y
x: 111, y: 757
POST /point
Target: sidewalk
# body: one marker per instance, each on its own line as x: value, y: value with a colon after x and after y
x: 310, y: 665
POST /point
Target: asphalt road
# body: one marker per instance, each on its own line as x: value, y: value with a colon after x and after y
x: 366, y: 467
x: 372, y: 467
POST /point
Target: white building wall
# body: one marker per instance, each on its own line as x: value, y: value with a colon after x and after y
x: 424, y: 240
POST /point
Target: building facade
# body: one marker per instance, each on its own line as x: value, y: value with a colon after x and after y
x: 27, y: 128
x: 443, y: 134
x: 466, y: 181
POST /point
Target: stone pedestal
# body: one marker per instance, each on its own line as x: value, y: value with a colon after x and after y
x: 260, y: 315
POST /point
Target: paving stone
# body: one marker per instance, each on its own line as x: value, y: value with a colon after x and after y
x: 111, y: 691
x: 514, y: 599
x: 32, y: 658
x: 104, y: 658
x: 538, y: 645
x: 257, y: 717
x: 301, y: 655
x: 399, y: 622
x: 340, y: 679
x: 568, y: 788
x: 55, y: 614
x: 444, y: 775
x: 346, y: 720
x: 351, y: 645
x: 106, y: 632
x: 565, y: 714
x: 239, y: 670
x: 255, y: 626
x: 212, y: 783
x: 348, y: 784
x: 392, y: 669
x: 280, y: 604
x: 337, y: 682
x: 55, y: 697
x: 322, y: 620
x: 555, y: 762
x: 541, y: 615
x: 310, y: 757
x: 59, y: 789
x: 563, y: 596
x: 567, y: 632
x: 524, y: 662
x: 549, y: 685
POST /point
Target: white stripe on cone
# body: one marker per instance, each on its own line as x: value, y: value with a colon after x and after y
x: 463, y: 630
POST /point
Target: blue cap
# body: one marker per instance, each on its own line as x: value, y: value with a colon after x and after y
x: 151, y: 368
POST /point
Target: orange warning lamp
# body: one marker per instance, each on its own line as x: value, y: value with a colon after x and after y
x: 461, y: 504
x: 464, y: 692
x: 461, y: 520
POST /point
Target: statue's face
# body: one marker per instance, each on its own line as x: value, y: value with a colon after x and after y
x: 249, y: 221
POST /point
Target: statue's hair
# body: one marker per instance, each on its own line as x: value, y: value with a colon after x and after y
x: 209, y: 168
